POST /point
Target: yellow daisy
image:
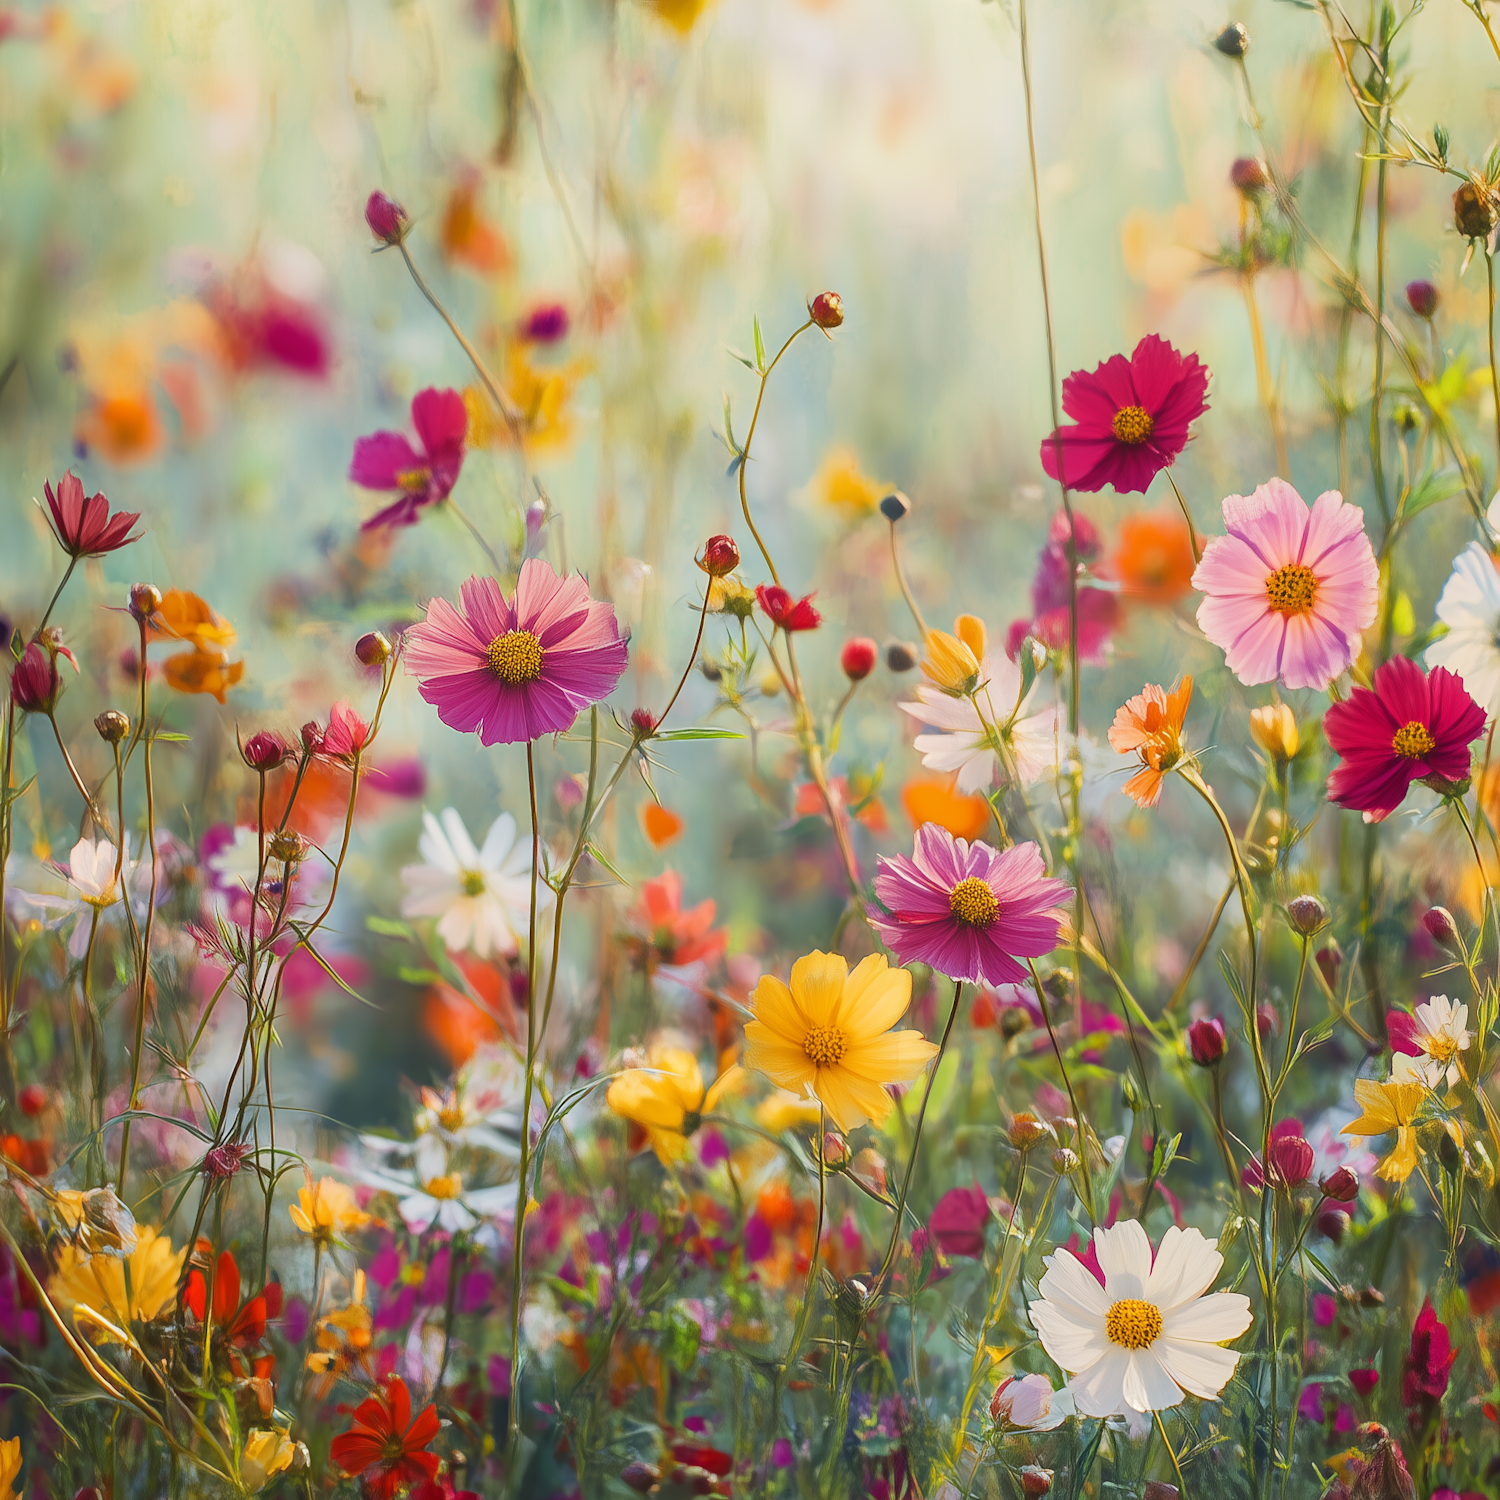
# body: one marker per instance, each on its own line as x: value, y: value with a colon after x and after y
x: 98, y: 1282
x: 326, y: 1209
x: 10, y: 1467
x: 667, y: 1098
x: 1389, y: 1106
x: 829, y: 1036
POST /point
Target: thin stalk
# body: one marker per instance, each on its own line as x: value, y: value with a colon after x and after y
x: 1161, y: 1427
x: 56, y: 595
x: 1489, y: 266
x: 906, y: 593
x: 1187, y: 516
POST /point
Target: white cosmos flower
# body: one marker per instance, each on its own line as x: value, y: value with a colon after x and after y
x: 1149, y: 1334
x: 481, y: 897
x: 964, y: 744
x: 90, y: 874
x: 447, y: 1122
x: 1470, y: 608
x: 441, y: 1199
x: 1030, y: 1403
x: 1442, y: 1034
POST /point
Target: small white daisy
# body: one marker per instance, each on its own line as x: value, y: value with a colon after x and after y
x: 1470, y: 608
x: 441, y: 1199
x: 1441, y: 1033
x: 1149, y: 1335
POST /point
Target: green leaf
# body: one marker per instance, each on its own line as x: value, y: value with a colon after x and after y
x: 386, y: 927
x: 1432, y: 489
x: 599, y: 859
x: 1163, y: 1153
x: 729, y: 441
x: 18, y: 792
x: 680, y: 1341
x: 760, y: 348
x: 744, y: 359
x: 704, y: 732
x: 409, y: 975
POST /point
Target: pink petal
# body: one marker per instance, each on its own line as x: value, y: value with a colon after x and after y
x: 380, y: 460
x: 486, y: 609
x: 1272, y: 521
x: 1315, y: 651
x: 440, y: 418
x: 1254, y: 655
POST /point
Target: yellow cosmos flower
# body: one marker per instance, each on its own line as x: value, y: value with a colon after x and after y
x: 266, y: 1453
x: 10, y: 1467
x: 841, y: 486
x: 326, y: 1209
x: 1389, y: 1106
x: 668, y: 1099
x: 950, y: 661
x: 829, y: 1035
x: 98, y: 1283
x: 781, y: 1111
x: 1274, y: 728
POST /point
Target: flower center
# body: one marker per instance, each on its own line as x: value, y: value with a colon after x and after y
x: 1412, y: 741
x: 1291, y: 590
x: 1133, y: 424
x: 1133, y: 1324
x: 472, y: 882
x: 516, y: 657
x: 452, y: 1185
x: 973, y: 903
x: 413, y: 481
x: 451, y: 1117
x: 1440, y: 1048
x: 824, y: 1045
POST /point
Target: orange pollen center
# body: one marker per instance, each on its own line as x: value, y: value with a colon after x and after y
x: 444, y: 1187
x: 1133, y: 1324
x: 1292, y: 589
x: 413, y: 480
x: 825, y: 1045
x: 973, y: 903
x: 1412, y: 741
x: 515, y: 657
x: 1133, y: 424
x: 451, y: 1118
x: 1439, y: 1048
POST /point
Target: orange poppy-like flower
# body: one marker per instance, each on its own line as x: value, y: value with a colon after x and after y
x: 936, y: 800
x: 662, y: 825
x: 183, y: 616
x: 456, y: 1023
x: 1150, y: 725
x: 1154, y: 559
x: 387, y: 1444
x: 202, y: 672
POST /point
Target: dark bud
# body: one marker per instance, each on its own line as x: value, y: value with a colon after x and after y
x: 264, y: 751
x: 1207, y: 1041
x: 895, y: 506
x: 226, y: 1160
x: 112, y: 725
x: 1059, y: 984
x: 1445, y: 788
x: 1341, y: 1185
x: 1234, y: 40
x: 1473, y: 214
x: 640, y: 1477
x: 711, y: 669
x: 1013, y: 1021
x: 900, y: 657
x: 312, y: 736
x: 1333, y: 1224
x: 386, y: 218
x: 372, y: 649
x: 720, y: 556
x: 1267, y: 1022
x: 643, y: 722
x: 1422, y: 297
x: 1329, y: 960
x: 1249, y: 175
x: 1306, y: 915
x: 1291, y: 1159
x: 1440, y: 926
x: 1450, y: 1152
x: 1159, y: 1489
x: 858, y: 658
x: 1372, y: 1297
x: 145, y: 600
x: 826, y: 310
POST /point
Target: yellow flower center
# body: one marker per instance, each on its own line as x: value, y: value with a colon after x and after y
x: 1133, y: 424
x: 413, y: 481
x: 1440, y: 1048
x: 1413, y: 741
x: 516, y: 657
x: 825, y: 1045
x: 472, y: 882
x: 1133, y: 1324
x: 452, y: 1185
x: 451, y: 1117
x: 1292, y: 589
x: 973, y: 903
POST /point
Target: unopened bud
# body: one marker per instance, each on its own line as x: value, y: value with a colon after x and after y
x: 900, y: 657
x: 1059, y: 983
x: 720, y: 556
x: 1450, y: 1150
x: 1291, y: 1159
x: 1064, y: 1161
x: 1207, y: 1041
x: 264, y: 751
x: 1473, y: 213
x: 145, y: 600
x: 858, y: 658
x: 1333, y: 1224
x: 1422, y: 297
x: 1234, y: 40
x: 1159, y: 1489
x: 641, y: 1478
x: 386, y: 218
x: 312, y: 736
x: 1249, y: 175
x: 711, y: 669
x: 1026, y: 1131
x: 1274, y: 728
x: 643, y: 722
x: 1341, y: 1185
x: 826, y: 310
x: 288, y: 846
x: 112, y: 725
x: 1035, y: 1480
x: 1440, y: 926
x: 835, y: 1149
x: 1329, y: 960
x: 895, y: 506
x: 1306, y: 915
x: 372, y: 649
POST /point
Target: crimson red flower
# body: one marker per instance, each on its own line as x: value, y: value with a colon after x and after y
x: 1131, y: 418
x: 1411, y: 727
x: 1291, y: 1158
x: 1207, y: 1040
x: 386, y: 1444
x: 1424, y: 1382
x: 85, y: 528
x: 386, y: 218
x: 35, y: 685
x: 220, y: 1303
x: 959, y: 1220
x: 858, y: 658
x: 791, y: 614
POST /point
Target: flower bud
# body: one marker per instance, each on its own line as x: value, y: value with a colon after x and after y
x: 1333, y: 1224
x: 720, y: 556
x: 145, y: 600
x: 1234, y: 40
x: 112, y: 725
x: 1364, y: 1381
x: 895, y: 506
x: 728, y: 596
x: 1440, y: 926
x: 1446, y: 788
x: 1267, y: 1022
x: 1026, y: 1131
x: 1291, y: 1160
x: 288, y: 846
x: 1035, y: 1480
x: 1207, y: 1042
x: 386, y: 218
x: 1371, y: 1297
x: 33, y: 1099
x: 642, y: 722
x: 835, y: 1149
x: 372, y: 649
x: 858, y: 658
x: 35, y: 685
x: 312, y: 736
x: 1473, y: 213
x: 1274, y: 728
x: 950, y: 664
x: 711, y: 669
x: 640, y: 1477
x: 1422, y: 297
x: 1450, y: 1149
x: 899, y: 656
x: 1064, y: 1161
x: 264, y: 751
x: 770, y: 684
x: 826, y: 310
x: 1059, y: 983
x: 1306, y: 915
x: 1159, y: 1489
x: 1013, y: 1021
x: 1249, y: 175
x: 1341, y: 1185
x: 225, y: 1161
x: 1329, y: 960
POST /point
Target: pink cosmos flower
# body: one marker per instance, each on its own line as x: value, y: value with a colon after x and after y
x: 968, y: 910
x: 85, y: 528
x: 1410, y: 728
x: 387, y: 461
x: 515, y: 669
x: 346, y: 734
x: 1291, y: 588
x: 1131, y: 415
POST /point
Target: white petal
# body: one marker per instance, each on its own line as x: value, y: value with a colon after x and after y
x: 1186, y: 1265
x: 1071, y: 1343
x: 434, y: 847
x: 498, y: 842
x: 458, y: 839
x: 1148, y: 1386
x: 1211, y: 1320
x: 1200, y: 1369
x: 457, y: 927
x: 1068, y: 1280
x: 1125, y: 1258
x: 1100, y: 1390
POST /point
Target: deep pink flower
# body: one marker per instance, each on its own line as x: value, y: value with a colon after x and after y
x: 1410, y: 728
x: 1291, y: 588
x: 1132, y: 418
x: 34, y: 684
x: 346, y: 732
x: 1099, y: 610
x: 781, y: 609
x: 959, y: 1220
x: 386, y: 218
x: 387, y: 461
x: 514, y: 669
x: 545, y: 324
x: 85, y: 528
x: 966, y: 909
x: 1364, y: 1381
x: 1425, y: 1378
x: 1207, y: 1041
x: 1292, y: 1158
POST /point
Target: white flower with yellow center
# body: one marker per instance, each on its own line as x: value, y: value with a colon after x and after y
x: 1441, y: 1033
x: 1149, y: 1335
x: 441, y: 1198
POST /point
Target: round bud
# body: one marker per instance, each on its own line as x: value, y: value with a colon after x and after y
x: 1291, y: 1160
x: 1306, y: 915
x: 1267, y: 1022
x: 895, y: 506
x: 372, y: 649
x: 1035, y: 1480
x: 264, y: 751
x: 112, y: 725
x: 720, y: 556
x: 899, y: 656
x: 1329, y: 961
x: 1064, y: 1161
x: 1333, y: 1224
x: 826, y: 310
x: 770, y: 684
x: 858, y: 658
x: 288, y: 846
x: 1234, y: 40
x: 1423, y: 298
x: 1159, y: 1489
x: 1439, y: 925
x: 1014, y: 1019
x: 1026, y: 1131
x: 1249, y: 175
x: 1207, y: 1041
x: 312, y: 736
x: 835, y: 1149
x: 1341, y: 1185
x: 1059, y: 983
x: 145, y: 600
x: 386, y: 218
x: 711, y: 669
x: 33, y: 1099
x: 643, y: 722
x: 640, y: 1477
x: 1473, y: 213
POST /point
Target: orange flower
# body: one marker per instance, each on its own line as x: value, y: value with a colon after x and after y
x: 1154, y: 559
x: 935, y: 800
x: 468, y: 237
x: 198, y: 671
x: 186, y: 617
x: 456, y: 1023
x: 124, y: 426
x: 1150, y: 724
x: 662, y: 825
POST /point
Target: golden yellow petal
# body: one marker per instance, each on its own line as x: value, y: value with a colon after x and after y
x: 647, y: 1099
x: 730, y: 1081
x: 881, y: 1003
x: 781, y: 1061
x: 776, y: 1006
x: 893, y: 1057
x: 818, y: 986
x: 1402, y: 1161
x: 851, y: 1101
x: 684, y: 1077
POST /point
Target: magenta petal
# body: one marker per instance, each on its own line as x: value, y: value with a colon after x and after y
x: 441, y: 420
x: 381, y: 459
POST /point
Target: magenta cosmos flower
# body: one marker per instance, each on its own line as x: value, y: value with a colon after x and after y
x: 387, y: 461
x: 84, y: 527
x: 1291, y: 588
x: 968, y: 910
x: 1132, y: 418
x: 1410, y: 728
x: 515, y: 669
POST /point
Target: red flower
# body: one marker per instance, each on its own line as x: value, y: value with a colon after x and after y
x: 386, y: 1444
x: 786, y: 612
x: 681, y: 937
x: 1207, y: 1041
x: 1291, y: 1158
x: 386, y: 218
x: 1425, y: 1379
x: 858, y: 658
x: 34, y: 684
x: 85, y: 528
x: 220, y: 1304
x: 1410, y: 728
x: 1098, y: 609
x: 387, y: 460
x: 959, y: 1220
x: 1132, y: 418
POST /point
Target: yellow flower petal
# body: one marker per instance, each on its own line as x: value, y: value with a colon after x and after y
x: 893, y: 1058
x: 648, y: 1100
x: 818, y: 984
x: 781, y: 1061
x: 879, y: 1004
x: 776, y: 1007
x: 1402, y: 1161
x: 851, y: 1101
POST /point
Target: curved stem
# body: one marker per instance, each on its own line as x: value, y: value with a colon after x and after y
x: 906, y: 592
x: 1187, y: 516
x: 52, y: 603
x: 1078, y: 1120
x: 744, y: 453
x: 691, y: 663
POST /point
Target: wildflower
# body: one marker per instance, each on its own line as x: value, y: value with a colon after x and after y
x: 387, y: 219
x: 1424, y: 1381
x: 112, y: 726
x: 1028, y: 1403
x: 425, y: 1198
x: 1291, y: 588
x: 515, y: 669
x: 1131, y: 418
x: 1274, y: 729
x: 1470, y: 607
x: 219, y: 1302
x: 326, y: 1210
x: 1149, y: 1335
x: 1341, y: 1185
x: 184, y: 616
x: 966, y: 909
x: 98, y: 1283
x: 264, y: 751
x: 199, y: 671
x: 1153, y: 557
x: 1207, y: 1042
x: 386, y: 1445
x: 1423, y: 298
x: 267, y: 1452
x: 1388, y: 1106
x: 10, y: 1467
x: 1250, y: 175
x: 1051, y: 624
x: 678, y: 937
x: 387, y: 461
x: 85, y: 528
x: 844, y: 487
x: 790, y: 614
x: 857, y: 659
x: 952, y: 661
x: 1150, y: 724
x: 828, y: 1035
x: 1409, y: 728
x: 720, y: 556
x: 936, y: 800
x: 35, y: 685
x: 958, y: 1222
x: 90, y: 872
x: 1306, y: 915
x: 826, y: 310
x: 668, y: 1098
x: 1441, y: 1033
x: 343, y: 1338
x: 372, y: 649
x: 481, y: 897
